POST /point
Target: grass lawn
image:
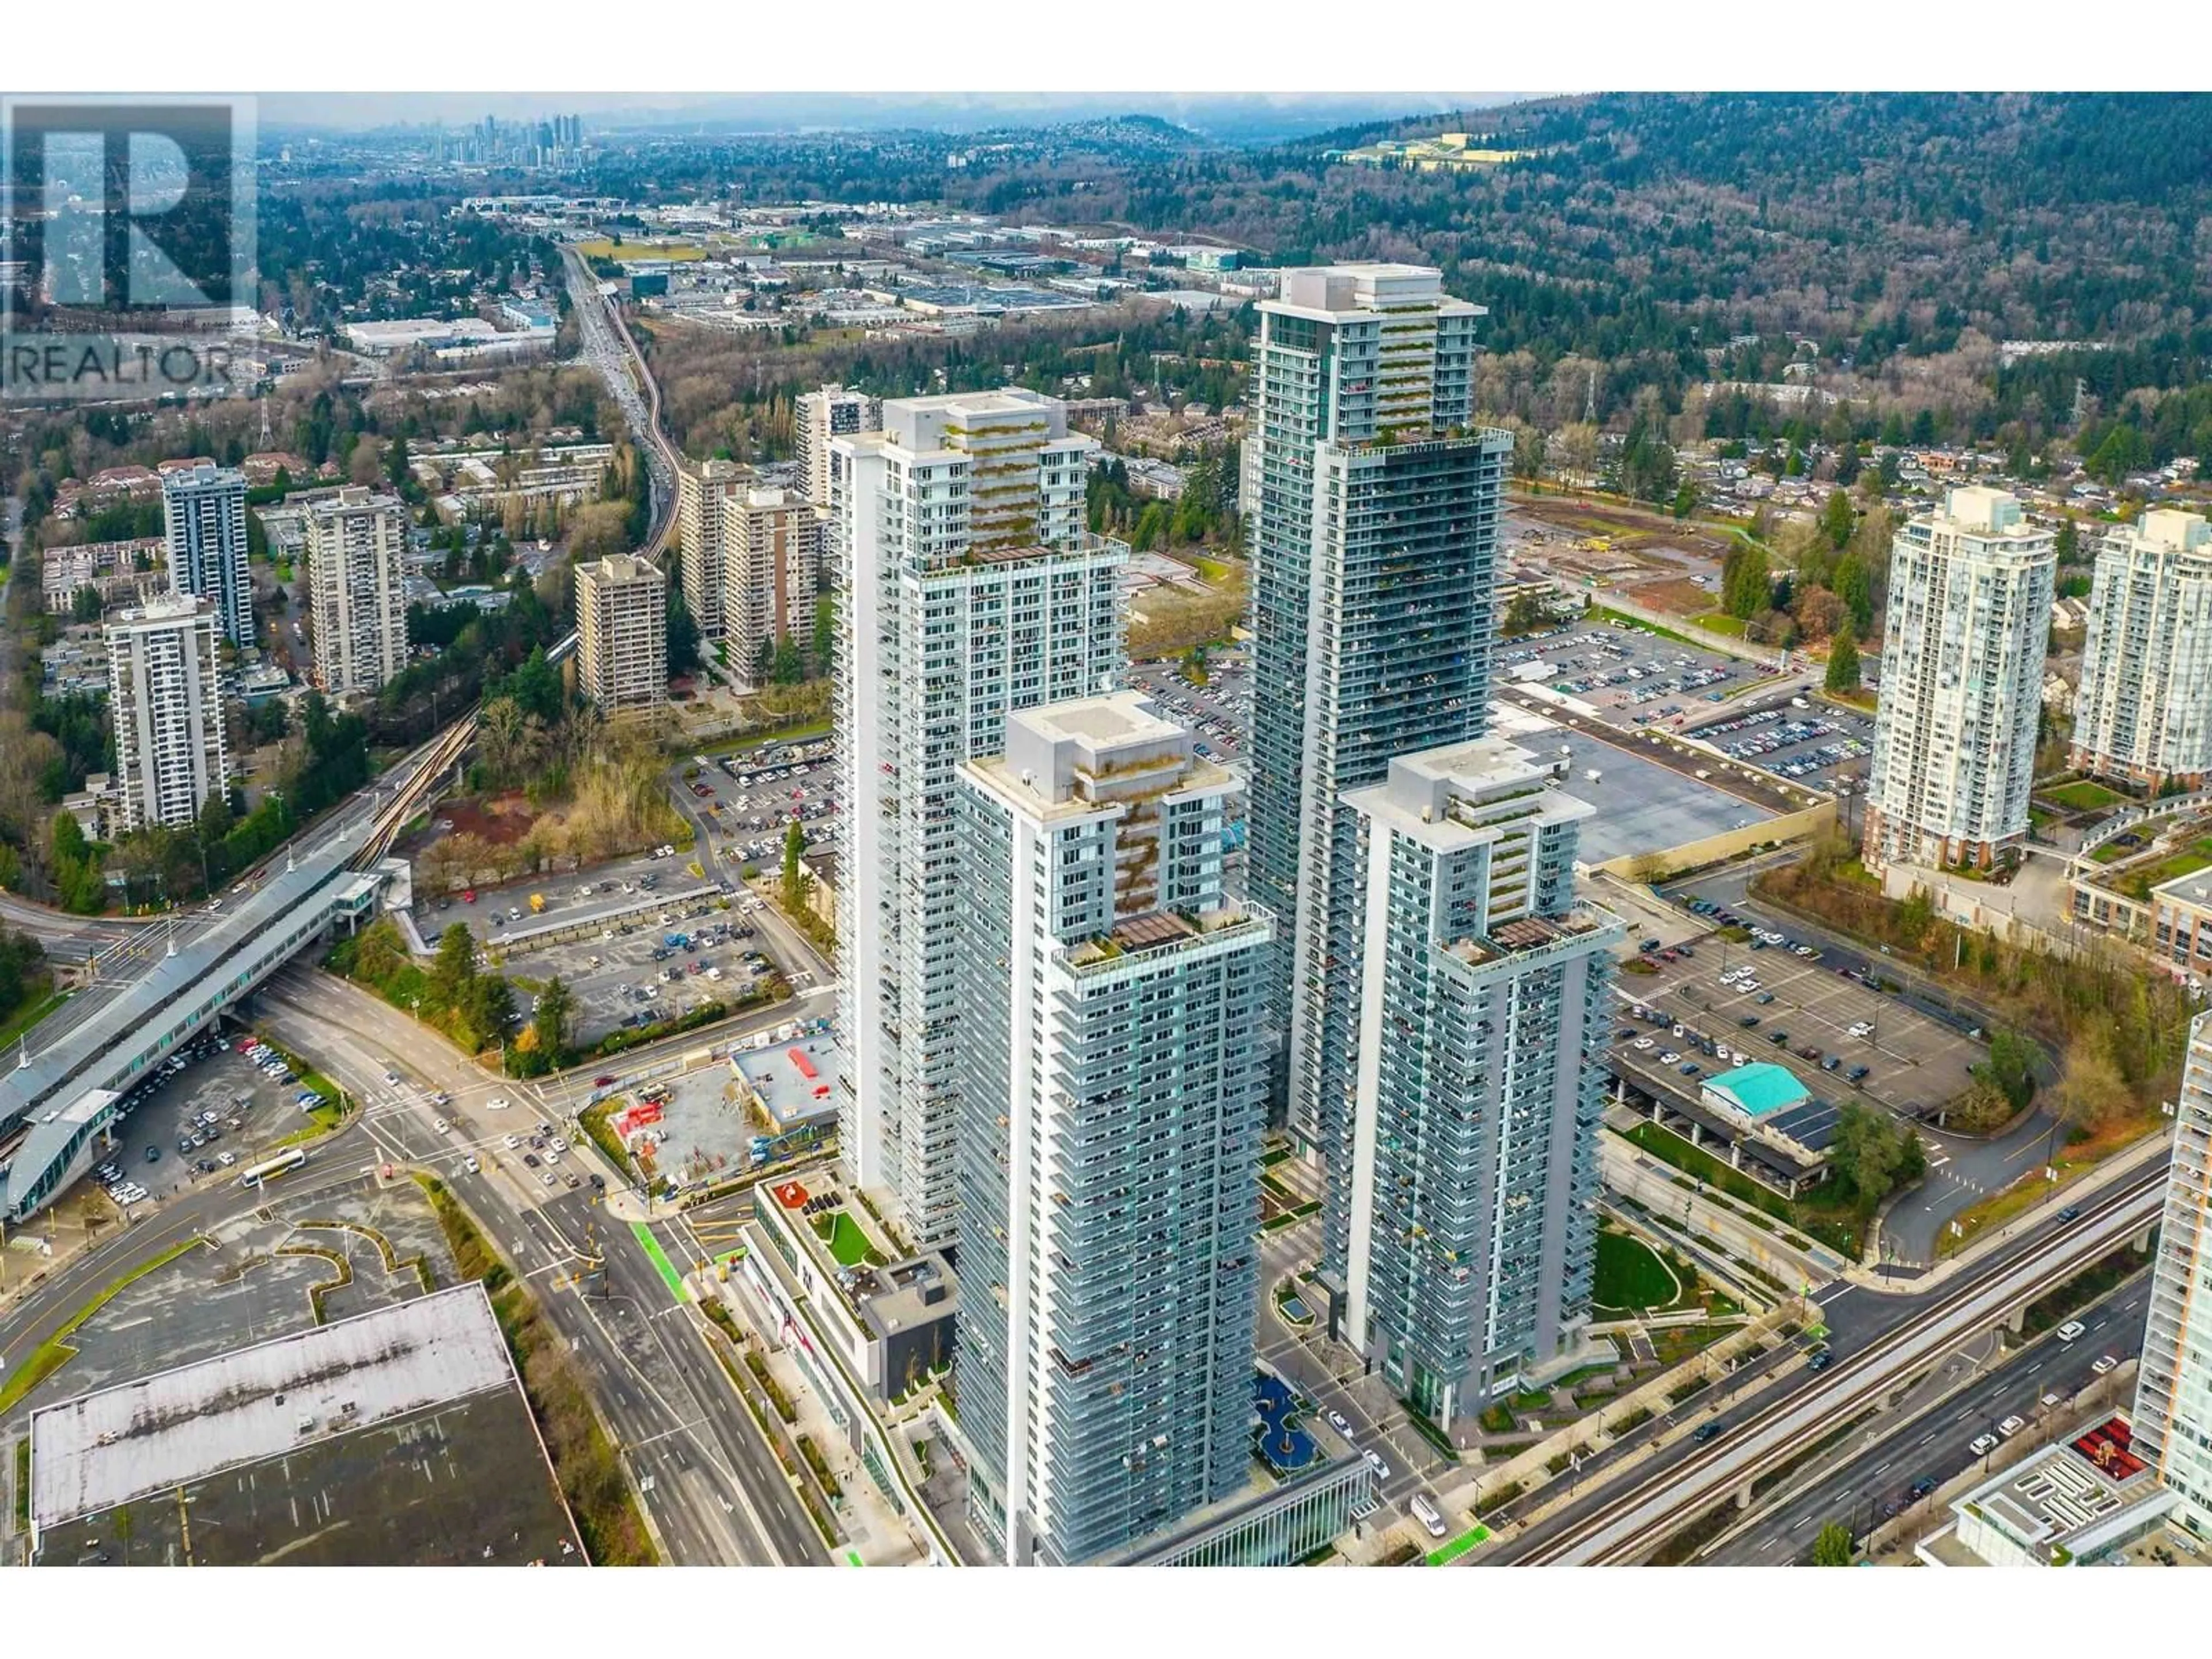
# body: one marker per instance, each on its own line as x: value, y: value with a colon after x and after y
x: 604, y: 249
x: 2110, y: 853
x: 846, y: 1241
x: 1599, y: 613
x: 321, y: 1119
x: 1175, y: 619
x: 1630, y: 1274
x: 1719, y: 622
x: 2083, y: 796
x: 25, y: 1017
x: 796, y: 731
x: 1838, y: 1230
x: 2137, y: 883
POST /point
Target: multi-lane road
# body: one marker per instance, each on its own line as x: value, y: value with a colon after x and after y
x: 607, y: 347
x: 1881, y: 1342
x: 1876, y: 1477
x: 711, y: 1485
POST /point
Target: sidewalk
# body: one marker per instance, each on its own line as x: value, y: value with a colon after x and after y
x: 52, y: 1242
x: 871, y: 1534
x: 2154, y: 1148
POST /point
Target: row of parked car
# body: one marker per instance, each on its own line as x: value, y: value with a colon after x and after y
x: 124, y: 1191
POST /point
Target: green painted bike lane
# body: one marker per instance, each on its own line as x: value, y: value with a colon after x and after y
x: 659, y: 1257
x: 1460, y: 1545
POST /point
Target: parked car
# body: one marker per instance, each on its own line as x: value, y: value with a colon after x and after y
x: 2012, y: 1425
x: 2104, y: 1363
x: 1983, y: 1444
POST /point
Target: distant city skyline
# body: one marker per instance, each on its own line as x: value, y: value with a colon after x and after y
x: 1214, y: 112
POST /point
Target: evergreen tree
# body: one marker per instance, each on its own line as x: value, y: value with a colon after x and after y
x: 1844, y: 662
x: 1835, y: 519
x: 682, y: 635
x: 555, y: 1005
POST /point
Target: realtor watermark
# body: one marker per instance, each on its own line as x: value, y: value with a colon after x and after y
x: 127, y: 267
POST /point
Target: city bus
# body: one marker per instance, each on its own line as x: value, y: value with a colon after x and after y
x: 269, y: 1169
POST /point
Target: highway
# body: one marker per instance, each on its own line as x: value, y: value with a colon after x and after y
x: 609, y: 348
x: 1621, y: 1520
x: 1875, y: 1480
x: 712, y: 1486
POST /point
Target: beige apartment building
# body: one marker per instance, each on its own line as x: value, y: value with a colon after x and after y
x: 357, y: 591
x: 771, y: 571
x: 622, y: 633
x: 704, y: 496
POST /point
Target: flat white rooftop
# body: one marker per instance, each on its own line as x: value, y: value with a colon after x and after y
x: 180, y: 1426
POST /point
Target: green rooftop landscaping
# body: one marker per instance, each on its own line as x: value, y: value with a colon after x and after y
x: 844, y: 1238
x: 2083, y: 796
x: 2138, y: 883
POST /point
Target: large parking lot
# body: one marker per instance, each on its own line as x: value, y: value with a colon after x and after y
x: 745, y: 798
x: 205, y: 1115
x: 497, y: 915
x: 1219, y: 712
x: 1810, y: 743
x: 625, y: 965
x: 1629, y: 676
x: 1772, y: 1003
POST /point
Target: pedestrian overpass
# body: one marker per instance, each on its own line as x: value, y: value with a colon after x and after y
x: 56, y: 1106
x: 65, y: 1090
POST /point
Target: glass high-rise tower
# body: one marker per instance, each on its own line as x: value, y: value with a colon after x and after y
x: 1461, y: 1235
x: 1372, y: 515
x: 969, y: 588
x: 2172, y: 1417
x: 1112, y: 1098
